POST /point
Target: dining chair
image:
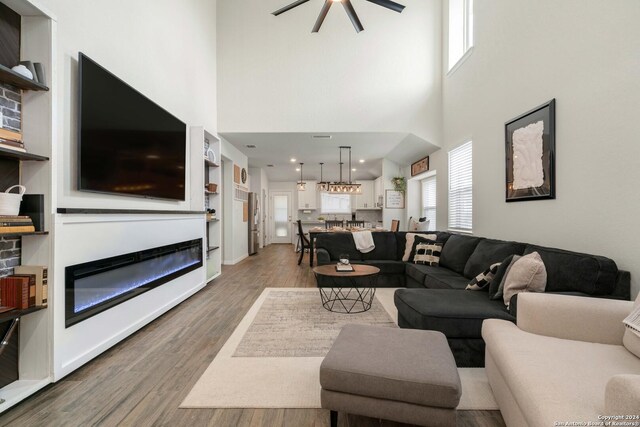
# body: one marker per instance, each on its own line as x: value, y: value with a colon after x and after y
x: 395, y: 225
x: 355, y: 224
x: 333, y: 223
x: 303, y: 242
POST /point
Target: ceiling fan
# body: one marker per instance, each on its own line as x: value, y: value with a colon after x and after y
x: 348, y: 7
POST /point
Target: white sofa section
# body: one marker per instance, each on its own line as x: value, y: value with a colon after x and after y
x: 563, y: 361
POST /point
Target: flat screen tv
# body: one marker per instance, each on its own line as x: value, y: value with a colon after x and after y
x: 127, y: 145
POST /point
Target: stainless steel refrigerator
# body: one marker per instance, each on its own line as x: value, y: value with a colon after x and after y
x: 254, y: 221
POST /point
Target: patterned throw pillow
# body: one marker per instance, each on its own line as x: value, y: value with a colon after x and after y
x: 428, y: 254
x: 481, y: 281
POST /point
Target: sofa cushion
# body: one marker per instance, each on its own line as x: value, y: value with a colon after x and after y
x: 413, y: 240
x: 630, y: 340
x: 572, y: 271
x: 386, y: 248
x: 488, y: 252
x: 481, y: 281
x: 338, y: 243
x: 386, y: 266
x: 526, y: 275
x: 456, y: 314
x: 401, y: 240
x: 554, y: 379
x: 436, y: 277
x: 456, y: 252
x: 428, y: 253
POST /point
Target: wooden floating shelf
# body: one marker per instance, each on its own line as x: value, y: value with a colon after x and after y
x: 211, y: 192
x: 213, y: 248
x: 14, y: 314
x: 88, y: 211
x: 211, y: 164
x: 7, y: 153
x: 33, y: 233
x: 8, y: 76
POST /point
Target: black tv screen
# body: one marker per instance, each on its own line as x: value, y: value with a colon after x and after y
x: 127, y: 144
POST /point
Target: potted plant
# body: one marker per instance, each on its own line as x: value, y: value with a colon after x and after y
x: 399, y: 184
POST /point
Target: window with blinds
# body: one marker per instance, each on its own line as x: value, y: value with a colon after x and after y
x: 335, y: 203
x: 429, y: 201
x: 461, y: 188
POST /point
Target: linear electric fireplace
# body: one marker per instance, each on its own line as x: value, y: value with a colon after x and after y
x: 96, y: 286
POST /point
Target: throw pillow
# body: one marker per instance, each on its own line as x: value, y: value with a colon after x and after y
x: 631, y: 340
x: 527, y: 274
x: 494, y: 286
x: 482, y: 280
x: 428, y: 254
x: 410, y: 237
x: 421, y: 225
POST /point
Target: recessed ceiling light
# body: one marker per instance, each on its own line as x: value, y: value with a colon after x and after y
x: 354, y: 170
x: 297, y: 169
x: 321, y: 137
x: 361, y: 160
x: 251, y: 146
x: 293, y: 159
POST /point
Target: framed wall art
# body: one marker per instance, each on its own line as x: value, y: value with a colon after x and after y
x: 394, y: 199
x: 530, y: 144
x: 420, y: 166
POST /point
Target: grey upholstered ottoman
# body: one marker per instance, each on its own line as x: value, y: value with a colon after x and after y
x: 402, y: 375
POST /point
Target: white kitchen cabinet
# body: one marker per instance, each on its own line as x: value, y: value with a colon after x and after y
x: 366, y: 199
x: 378, y: 192
x: 308, y: 199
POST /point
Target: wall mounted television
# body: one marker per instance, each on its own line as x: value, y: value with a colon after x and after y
x: 127, y: 144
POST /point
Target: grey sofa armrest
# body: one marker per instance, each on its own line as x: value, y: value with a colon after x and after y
x: 323, y: 256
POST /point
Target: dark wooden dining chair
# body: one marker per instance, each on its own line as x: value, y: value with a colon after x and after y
x: 333, y: 223
x: 303, y: 242
x: 395, y: 225
x: 355, y: 224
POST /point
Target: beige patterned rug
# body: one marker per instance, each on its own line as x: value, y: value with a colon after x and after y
x: 294, y: 324
x: 272, y: 359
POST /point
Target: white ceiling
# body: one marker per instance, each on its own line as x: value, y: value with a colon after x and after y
x: 279, y: 148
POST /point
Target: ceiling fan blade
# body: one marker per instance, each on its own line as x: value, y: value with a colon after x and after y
x: 323, y: 14
x: 389, y: 5
x: 352, y: 15
x: 288, y: 8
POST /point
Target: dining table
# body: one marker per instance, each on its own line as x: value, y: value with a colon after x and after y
x: 314, y: 232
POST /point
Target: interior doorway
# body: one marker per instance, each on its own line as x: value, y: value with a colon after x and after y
x: 280, y: 216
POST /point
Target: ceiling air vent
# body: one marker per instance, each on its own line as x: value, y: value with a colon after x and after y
x: 251, y: 146
x: 269, y: 166
x: 321, y: 137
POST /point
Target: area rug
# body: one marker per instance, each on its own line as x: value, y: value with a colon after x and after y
x: 272, y: 359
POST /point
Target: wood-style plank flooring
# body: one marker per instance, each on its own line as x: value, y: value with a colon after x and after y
x: 142, y: 380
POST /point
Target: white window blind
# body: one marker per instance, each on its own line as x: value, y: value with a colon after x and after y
x: 429, y: 201
x: 461, y: 188
x: 335, y: 203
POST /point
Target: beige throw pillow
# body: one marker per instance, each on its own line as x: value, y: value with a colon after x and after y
x: 630, y: 340
x: 527, y: 274
x: 410, y: 240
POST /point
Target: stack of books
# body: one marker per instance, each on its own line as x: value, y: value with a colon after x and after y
x: 16, y: 224
x: 11, y: 140
x: 27, y: 288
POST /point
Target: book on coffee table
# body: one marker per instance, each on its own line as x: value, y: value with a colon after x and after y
x: 344, y: 267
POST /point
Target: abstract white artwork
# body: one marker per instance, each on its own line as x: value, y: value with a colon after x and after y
x: 527, y: 156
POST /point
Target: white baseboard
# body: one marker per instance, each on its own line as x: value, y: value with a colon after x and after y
x: 87, y: 356
x: 237, y: 260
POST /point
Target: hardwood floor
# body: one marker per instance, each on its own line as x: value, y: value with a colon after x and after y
x: 142, y: 380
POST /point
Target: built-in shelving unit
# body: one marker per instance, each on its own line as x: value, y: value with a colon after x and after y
x: 34, y: 171
x: 207, y: 171
x: 9, y: 76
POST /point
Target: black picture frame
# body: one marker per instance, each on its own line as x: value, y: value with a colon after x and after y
x: 547, y: 114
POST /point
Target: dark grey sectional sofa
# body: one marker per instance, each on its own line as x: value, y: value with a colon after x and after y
x: 435, y: 299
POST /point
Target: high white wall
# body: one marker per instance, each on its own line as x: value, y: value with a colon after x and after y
x: 584, y: 54
x: 166, y: 49
x: 236, y: 231
x: 274, y: 75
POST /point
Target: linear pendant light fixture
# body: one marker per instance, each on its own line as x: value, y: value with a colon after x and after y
x: 302, y: 186
x: 348, y: 7
x: 342, y: 187
x: 322, y: 185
